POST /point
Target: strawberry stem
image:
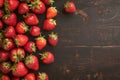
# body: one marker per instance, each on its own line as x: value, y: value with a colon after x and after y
x: 6, y: 7
x: 1, y: 35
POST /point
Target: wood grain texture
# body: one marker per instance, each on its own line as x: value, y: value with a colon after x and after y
x: 87, y: 51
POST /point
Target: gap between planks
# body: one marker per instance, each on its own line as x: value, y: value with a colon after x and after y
x: 85, y: 46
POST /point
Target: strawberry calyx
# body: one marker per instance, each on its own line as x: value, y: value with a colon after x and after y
x: 29, y: 59
x: 44, y: 55
x: 52, y: 21
x: 13, y: 68
x: 53, y: 35
x: 6, y: 16
x: 67, y: 5
x: 25, y: 26
x: 33, y: 47
x: 41, y: 37
x: 42, y: 76
x: 6, y: 65
x: 54, y: 9
x: 6, y: 7
x: 35, y: 4
x: 26, y: 15
x: 16, y: 41
x: 6, y: 42
x: 18, y: 56
x: 51, y: 2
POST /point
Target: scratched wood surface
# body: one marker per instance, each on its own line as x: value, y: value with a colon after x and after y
x: 89, y: 45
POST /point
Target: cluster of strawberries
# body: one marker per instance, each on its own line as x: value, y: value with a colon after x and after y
x: 16, y: 48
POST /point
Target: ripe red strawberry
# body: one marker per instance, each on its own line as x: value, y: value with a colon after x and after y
x: 32, y: 62
x: 10, y: 19
x: 15, y: 78
x: 1, y: 3
x: 1, y: 25
x: 31, y: 19
x: 4, y: 55
x: 23, y: 8
x: 38, y: 7
x: 21, y: 28
x: 8, y: 44
x: 4, y: 77
x: 21, y: 40
x: 19, y: 70
x: 30, y: 47
x: 30, y: 76
x: 5, y: 67
x: 49, y: 24
x: 51, y: 12
x: 47, y: 57
x: 70, y: 7
x: 42, y: 76
x: 48, y: 2
x: 35, y: 31
x: 53, y: 39
x: 1, y: 13
x: 41, y: 42
x: 17, y: 54
x: 11, y: 5
x: 10, y: 32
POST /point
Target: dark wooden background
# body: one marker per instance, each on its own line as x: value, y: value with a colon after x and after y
x: 89, y: 45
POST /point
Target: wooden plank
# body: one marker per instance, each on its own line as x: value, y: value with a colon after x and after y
x: 87, y: 51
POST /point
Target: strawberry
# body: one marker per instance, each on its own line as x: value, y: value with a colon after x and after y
x: 21, y: 28
x: 19, y: 69
x: 1, y: 13
x: 10, y: 32
x: 35, y: 31
x: 17, y: 54
x: 70, y: 7
x: 4, y: 77
x: 1, y: 25
x: 21, y: 40
x: 10, y: 19
x: 1, y: 3
x: 31, y: 19
x: 32, y: 62
x: 42, y: 76
x: 49, y: 24
x: 30, y: 76
x: 47, y: 57
x: 53, y: 39
x: 38, y: 7
x: 23, y: 8
x: 48, y: 2
x: 51, y: 12
x: 15, y: 78
x: 41, y: 42
x: 11, y: 5
x: 8, y: 44
x: 4, y: 55
x: 30, y: 47
x: 5, y: 67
